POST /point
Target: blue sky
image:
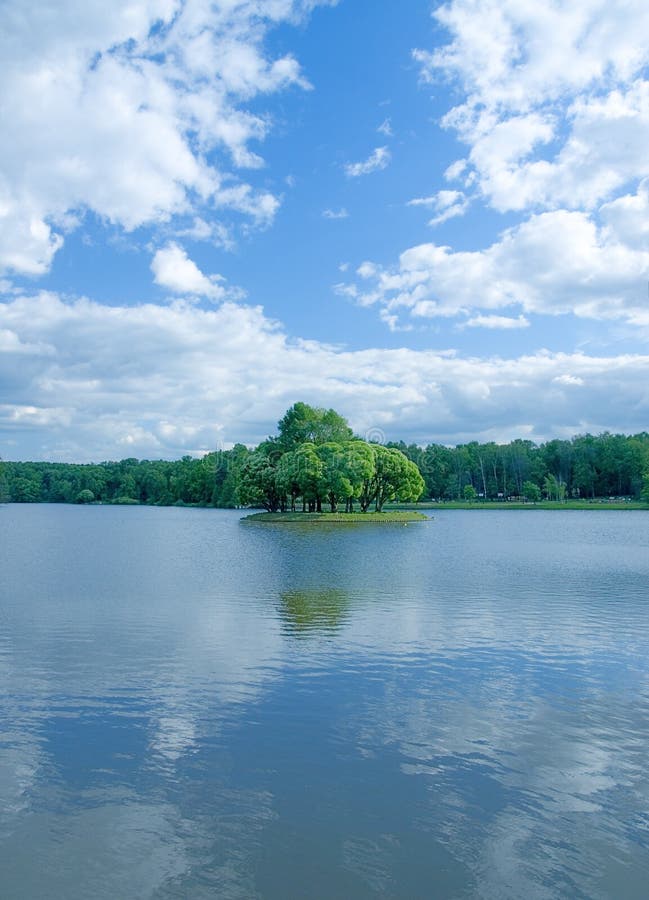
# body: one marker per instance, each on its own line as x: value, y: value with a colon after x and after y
x: 433, y: 217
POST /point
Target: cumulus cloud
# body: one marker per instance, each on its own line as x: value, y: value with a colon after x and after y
x: 555, y: 118
x: 589, y: 167
x: 627, y: 217
x: 134, y: 110
x: 203, y: 377
x: 377, y: 160
x: 512, y: 55
x: 174, y: 270
x: 554, y: 113
x: 553, y: 263
x: 545, y: 89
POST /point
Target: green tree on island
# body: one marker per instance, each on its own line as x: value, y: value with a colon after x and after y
x: 335, y: 483
x: 302, y: 424
x: 359, y: 462
x: 395, y: 477
x: 316, y: 458
x: 309, y: 470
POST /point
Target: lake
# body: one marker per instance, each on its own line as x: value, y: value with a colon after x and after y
x: 194, y: 707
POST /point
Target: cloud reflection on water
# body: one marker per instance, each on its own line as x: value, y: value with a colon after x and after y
x: 446, y: 712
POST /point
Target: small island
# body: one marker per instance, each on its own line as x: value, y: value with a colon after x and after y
x: 317, y: 472
x: 389, y: 517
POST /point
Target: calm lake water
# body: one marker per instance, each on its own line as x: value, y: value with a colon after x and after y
x: 193, y: 707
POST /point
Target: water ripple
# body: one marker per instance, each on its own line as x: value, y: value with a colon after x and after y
x: 192, y: 708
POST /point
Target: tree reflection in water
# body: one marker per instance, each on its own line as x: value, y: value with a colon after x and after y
x: 314, y: 610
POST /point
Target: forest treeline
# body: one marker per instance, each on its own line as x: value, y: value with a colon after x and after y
x: 586, y: 466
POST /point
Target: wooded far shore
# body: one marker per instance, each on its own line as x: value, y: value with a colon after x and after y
x: 587, y: 471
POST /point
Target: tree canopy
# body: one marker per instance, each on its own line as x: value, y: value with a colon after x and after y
x: 316, y: 458
x: 303, y: 424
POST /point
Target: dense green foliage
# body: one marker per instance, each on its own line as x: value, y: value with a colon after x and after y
x: 210, y: 481
x: 587, y: 466
x: 316, y: 462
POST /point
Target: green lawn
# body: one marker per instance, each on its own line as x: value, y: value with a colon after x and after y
x: 543, y: 504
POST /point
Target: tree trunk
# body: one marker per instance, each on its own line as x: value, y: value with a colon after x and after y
x: 484, y: 480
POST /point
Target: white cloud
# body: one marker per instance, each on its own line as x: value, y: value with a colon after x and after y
x: 555, y: 115
x: 27, y: 242
x: 505, y: 322
x: 203, y: 376
x: 513, y: 55
x: 174, y: 270
x: 214, y: 232
x: 627, y: 217
x: 447, y: 205
x: 605, y: 150
x: 377, y: 160
x: 133, y: 110
x: 346, y: 290
x: 553, y: 263
x: 556, y: 108
x: 336, y: 213
x: 568, y: 379
x: 367, y: 270
x: 455, y: 170
x: 385, y: 128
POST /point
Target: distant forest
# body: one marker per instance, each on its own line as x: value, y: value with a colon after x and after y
x: 587, y: 466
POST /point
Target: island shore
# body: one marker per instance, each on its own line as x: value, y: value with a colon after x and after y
x: 391, y: 517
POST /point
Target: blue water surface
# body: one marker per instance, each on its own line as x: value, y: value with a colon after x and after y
x: 196, y: 707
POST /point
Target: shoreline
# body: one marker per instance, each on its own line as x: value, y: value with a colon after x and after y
x: 547, y: 505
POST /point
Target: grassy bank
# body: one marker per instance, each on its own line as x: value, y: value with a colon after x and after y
x: 543, y: 504
x: 400, y: 516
